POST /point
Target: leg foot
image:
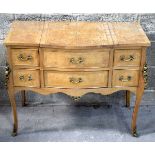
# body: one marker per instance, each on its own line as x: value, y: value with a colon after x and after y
x: 139, y: 95
x: 134, y: 132
x: 14, y: 111
x: 14, y: 131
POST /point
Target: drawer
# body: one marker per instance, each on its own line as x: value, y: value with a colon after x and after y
x: 76, y: 58
x: 26, y: 78
x: 25, y: 57
x: 76, y: 79
x: 127, y: 57
x: 125, y: 78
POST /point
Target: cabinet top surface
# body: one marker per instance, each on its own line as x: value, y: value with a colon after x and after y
x: 75, y: 34
x: 25, y: 33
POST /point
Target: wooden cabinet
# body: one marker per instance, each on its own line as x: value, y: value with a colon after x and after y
x: 76, y: 58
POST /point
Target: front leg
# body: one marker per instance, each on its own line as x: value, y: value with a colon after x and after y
x: 139, y: 94
x: 10, y: 90
x: 14, y: 110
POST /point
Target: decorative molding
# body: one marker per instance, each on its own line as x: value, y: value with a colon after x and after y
x: 7, y: 72
x: 145, y: 75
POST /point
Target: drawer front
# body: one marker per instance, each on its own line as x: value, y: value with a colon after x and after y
x: 76, y: 58
x: 127, y: 58
x: 125, y: 78
x: 26, y: 78
x: 76, y: 79
x: 25, y: 57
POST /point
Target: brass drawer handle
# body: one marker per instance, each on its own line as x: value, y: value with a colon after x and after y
x: 79, y: 60
x: 121, y: 78
x: 29, y: 78
x: 130, y: 58
x: 75, y: 80
x: 21, y: 77
x: 23, y: 57
x: 25, y: 78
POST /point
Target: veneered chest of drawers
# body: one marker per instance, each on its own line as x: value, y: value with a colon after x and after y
x: 76, y: 58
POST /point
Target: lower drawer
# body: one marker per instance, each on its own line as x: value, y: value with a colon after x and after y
x: 126, y: 78
x: 26, y: 78
x: 76, y: 79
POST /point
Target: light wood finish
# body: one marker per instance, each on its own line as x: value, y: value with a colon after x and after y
x: 127, y: 57
x: 76, y: 35
x: 41, y: 68
x: 14, y: 111
x: 139, y: 94
x: 110, y: 68
x: 76, y: 91
x: 76, y: 79
x: 75, y: 58
x: 11, y: 93
x: 23, y: 33
x: 125, y: 78
x: 27, y: 78
x: 25, y: 57
x: 128, y: 34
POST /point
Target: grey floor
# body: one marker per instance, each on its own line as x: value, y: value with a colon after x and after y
x: 77, y: 123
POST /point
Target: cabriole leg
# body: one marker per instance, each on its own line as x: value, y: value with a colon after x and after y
x: 140, y: 91
x: 11, y: 94
x: 139, y: 95
x: 14, y: 111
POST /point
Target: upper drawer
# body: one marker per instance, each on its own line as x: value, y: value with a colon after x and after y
x: 127, y: 57
x: 76, y: 79
x: 25, y: 57
x: 76, y: 58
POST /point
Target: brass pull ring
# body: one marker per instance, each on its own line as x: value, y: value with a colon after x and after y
x: 21, y: 77
x: 22, y: 57
x: 25, y: 78
x: 30, y: 78
x: 79, y: 60
x: 121, y: 78
x: 75, y: 80
x: 130, y: 58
